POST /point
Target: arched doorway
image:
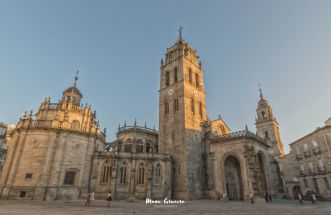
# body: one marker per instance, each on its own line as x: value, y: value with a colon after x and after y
x: 296, y: 191
x: 263, y: 181
x: 232, y: 174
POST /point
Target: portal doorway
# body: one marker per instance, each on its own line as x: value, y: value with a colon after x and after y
x: 232, y: 174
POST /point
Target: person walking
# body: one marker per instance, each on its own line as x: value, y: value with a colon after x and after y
x: 300, y: 199
x: 92, y: 198
x: 266, y: 198
x: 251, y: 196
x: 109, y: 199
x: 225, y: 196
x: 313, y: 196
x: 270, y: 196
x: 88, y: 199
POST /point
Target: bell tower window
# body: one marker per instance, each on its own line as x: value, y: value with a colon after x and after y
x: 197, y: 80
x: 175, y: 75
x: 166, y: 108
x: 167, y: 79
x: 266, y: 135
x: 192, y: 106
x: 200, y: 110
x: 175, y: 105
x: 263, y: 114
x: 190, y: 75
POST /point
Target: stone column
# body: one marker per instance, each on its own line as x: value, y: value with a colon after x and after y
x: 132, y: 189
x: 116, y: 166
x: 149, y: 179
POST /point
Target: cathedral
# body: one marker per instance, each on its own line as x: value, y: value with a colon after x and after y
x: 59, y: 153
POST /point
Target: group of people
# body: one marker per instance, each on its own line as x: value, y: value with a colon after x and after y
x: 268, y: 197
x: 313, y: 198
x: 90, y: 198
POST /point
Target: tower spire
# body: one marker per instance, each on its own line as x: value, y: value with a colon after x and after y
x: 180, y: 30
x: 76, y: 78
x: 261, y: 95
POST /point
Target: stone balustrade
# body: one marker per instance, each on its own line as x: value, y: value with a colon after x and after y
x: 128, y: 127
x: 238, y: 135
x: 52, y: 124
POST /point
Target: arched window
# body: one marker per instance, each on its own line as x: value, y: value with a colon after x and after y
x: 263, y: 114
x: 175, y: 75
x: 123, y: 173
x: 190, y: 75
x: 75, y: 125
x: 141, y: 174
x: 119, y: 146
x: 158, y: 174
x: 192, y: 106
x: 106, y: 173
x: 128, y: 140
x: 156, y: 148
x: 139, y: 146
x: 69, y: 178
x: 74, y: 100
x: 175, y: 105
x: 166, y: 108
x: 128, y: 145
x: 197, y: 80
x: 149, y: 147
x: 315, y: 144
x: 167, y: 78
x: 200, y: 110
x: 266, y: 135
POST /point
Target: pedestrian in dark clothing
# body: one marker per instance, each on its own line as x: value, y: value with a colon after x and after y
x: 88, y: 199
x: 270, y: 196
x: 109, y: 199
x: 252, y: 197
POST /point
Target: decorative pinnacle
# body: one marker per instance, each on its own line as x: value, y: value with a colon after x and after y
x: 76, y: 78
x: 261, y: 95
x: 180, y: 30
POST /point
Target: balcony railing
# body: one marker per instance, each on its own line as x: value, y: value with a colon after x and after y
x: 135, y: 126
x: 321, y: 169
x: 238, y: 135
x: 298, y: 156
x: 307, y: 154
x: 316, y: 150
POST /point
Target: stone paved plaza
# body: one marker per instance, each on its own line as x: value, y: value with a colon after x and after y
x: 15, y: 207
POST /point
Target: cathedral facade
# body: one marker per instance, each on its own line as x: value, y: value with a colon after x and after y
x: 59, y: 153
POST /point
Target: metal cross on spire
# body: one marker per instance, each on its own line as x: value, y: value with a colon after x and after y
x: 261, y: 95
x: 180, y: 30
x: 76, y: 78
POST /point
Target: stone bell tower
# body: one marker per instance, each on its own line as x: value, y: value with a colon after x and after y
x: 182, y: 108
x: 267, y: 127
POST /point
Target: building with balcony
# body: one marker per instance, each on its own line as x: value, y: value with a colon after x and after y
x: 311, y: 158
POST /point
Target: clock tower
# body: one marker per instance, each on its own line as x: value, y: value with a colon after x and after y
x: 182, y: 108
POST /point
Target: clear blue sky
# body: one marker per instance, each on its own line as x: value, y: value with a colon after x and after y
x: 117, y: 46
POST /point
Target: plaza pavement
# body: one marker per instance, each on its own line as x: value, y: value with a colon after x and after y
x: 206, y: 207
